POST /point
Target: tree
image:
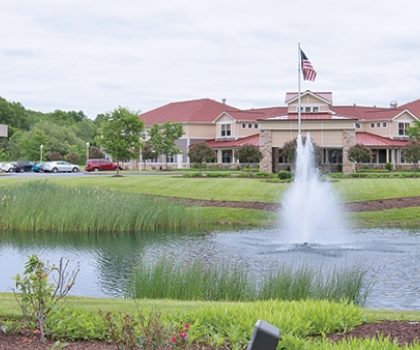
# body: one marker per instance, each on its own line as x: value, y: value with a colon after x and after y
x: 148, y: 152
x: 120, y: 134
x: 414, y: 131
x: 35, y: 292
x: 249, y: 154
x: 359, y: 154
x: 163, y: 137
x: 289, y: 151
x: 201, y: 153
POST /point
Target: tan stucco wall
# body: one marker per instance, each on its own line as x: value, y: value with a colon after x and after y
x: 323, y: 138
x: 204, y: 131
x: 381, y: 131
x: 244, y: 132
x: 309, y: 100
x: 3, y: 130
x: 403, y: 118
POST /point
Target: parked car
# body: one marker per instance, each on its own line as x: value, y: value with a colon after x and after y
x: 37, y: 167
x: 100, y: 165
x: 23, y: 166
x: 60, y: 166
x: 7, y: 167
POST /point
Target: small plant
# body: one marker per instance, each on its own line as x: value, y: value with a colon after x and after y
x: 283, y: 175
x: 36, y: 295
x: 388, y: 166
x: 180, y: 339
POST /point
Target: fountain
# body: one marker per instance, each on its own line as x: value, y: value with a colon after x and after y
x: 311, y: 213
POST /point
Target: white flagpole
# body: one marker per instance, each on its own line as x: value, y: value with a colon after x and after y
x: 299, y: 75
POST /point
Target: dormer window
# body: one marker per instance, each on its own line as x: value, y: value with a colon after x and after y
x: 308, y: 109
x: 225, y: 130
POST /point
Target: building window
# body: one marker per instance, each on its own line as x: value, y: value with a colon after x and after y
x: 315, y: 109
x: 403, y: 129
x: 335, y: 156
x: 372, y: 125
x: 225, y: 130
x: 170, y: 159
x: 256, y: 126
x: 384, y: 124
x: 243, y: 125
x: 307, y: 109
x: 227, y: 156
x: 250, y: 126
x: 357, y: 125
x: 378, y: 125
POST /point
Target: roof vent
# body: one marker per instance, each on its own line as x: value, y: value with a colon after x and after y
x: 393, y: 104
x: 224, y: 101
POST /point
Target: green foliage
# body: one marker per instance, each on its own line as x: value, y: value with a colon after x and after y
x: 388, y: 166
x: 120, y: 134
x: 37, y: 295
x: 197, y: 281
x: 40, y: 206
x: 414, y: 131
x: 148, y: 151
x: 284, y: 174
x: 359, y: 154
x: 95, y: 153
x: 163, y: 137
x: 232, y: 324
x: 201, y: 153
x: 412, y: 151
x: 249, y: 154
x: 289, y: 150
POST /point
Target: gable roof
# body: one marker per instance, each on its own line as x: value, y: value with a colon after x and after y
x: 269, y: 111
x: 242, y: 115
x: 371, y: 140
x: 370, y: 113
x: 202, y: 110
x: 413, y: 107
x: 325, y: 96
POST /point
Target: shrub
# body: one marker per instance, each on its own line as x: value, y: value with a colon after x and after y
x: 388, y: 166
x: 284, y: 175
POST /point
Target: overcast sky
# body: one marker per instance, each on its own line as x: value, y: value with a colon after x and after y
x: 94, y: 55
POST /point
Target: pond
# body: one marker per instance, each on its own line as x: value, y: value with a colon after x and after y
x: 391, y: 257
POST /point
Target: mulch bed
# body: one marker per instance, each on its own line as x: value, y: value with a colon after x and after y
x: 404, y: 332
x: 373, y: 205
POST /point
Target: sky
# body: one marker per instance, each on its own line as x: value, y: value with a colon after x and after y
x: 96, y: 55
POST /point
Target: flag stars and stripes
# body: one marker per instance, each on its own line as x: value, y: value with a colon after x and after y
x: 308, y: 70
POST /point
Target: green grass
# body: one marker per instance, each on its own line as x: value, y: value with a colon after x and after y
x: 301, y: 323
x: 401, y: 218
x: 235, y: 189
x: 197, y: 281
x: 45, y: 207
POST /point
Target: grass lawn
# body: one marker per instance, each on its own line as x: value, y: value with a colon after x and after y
x: 402, y: 218
x: 234, y: 189
x: 10, y: 308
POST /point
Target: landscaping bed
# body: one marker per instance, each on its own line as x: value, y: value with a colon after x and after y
x: 403, y: 332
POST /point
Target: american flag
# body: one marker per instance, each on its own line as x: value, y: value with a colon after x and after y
x: 308, y: 70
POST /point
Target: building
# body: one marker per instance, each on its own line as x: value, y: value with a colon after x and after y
x: 333, y: 128
x: 3, y: 130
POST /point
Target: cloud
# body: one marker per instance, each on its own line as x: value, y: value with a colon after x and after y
x: 96, y: 55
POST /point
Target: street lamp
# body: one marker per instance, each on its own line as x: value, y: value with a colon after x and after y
x: 41, y: 147
x: 87, y: 151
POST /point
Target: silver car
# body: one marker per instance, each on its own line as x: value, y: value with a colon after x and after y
x: 60, y: 166
x: 7, y: 167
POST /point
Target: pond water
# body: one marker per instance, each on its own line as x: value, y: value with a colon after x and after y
x: 392, y: 258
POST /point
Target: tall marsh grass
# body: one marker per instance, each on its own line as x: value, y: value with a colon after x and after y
x: 44, y: 207
x: 197, y: 281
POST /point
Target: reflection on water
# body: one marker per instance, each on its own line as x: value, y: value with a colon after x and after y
x: 106, y: 261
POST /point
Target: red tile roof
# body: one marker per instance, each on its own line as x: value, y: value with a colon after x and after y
x: 269, y: 111
x: 311, y: 116
x: 246, y: 115
x: 249, y: 140
x: 203, y: 110
x: 371, y: 140
x: 413, y: 107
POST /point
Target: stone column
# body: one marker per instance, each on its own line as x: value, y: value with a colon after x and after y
x: 349, y: 139
x: 266, y: 148
x: 276, y: 154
